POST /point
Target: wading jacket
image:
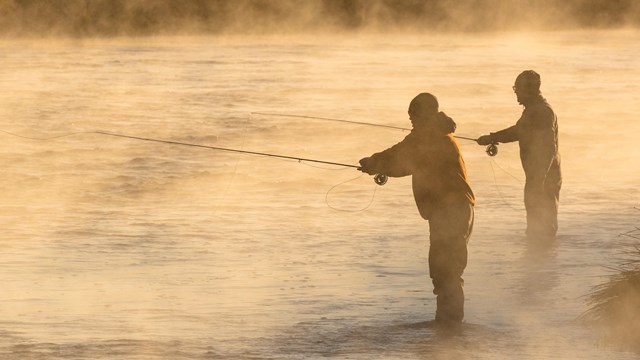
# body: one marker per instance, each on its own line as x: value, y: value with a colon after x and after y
x: 431, y: 155
x: 537, y: 134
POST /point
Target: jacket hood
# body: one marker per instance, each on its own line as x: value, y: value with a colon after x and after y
x: 444, y: 123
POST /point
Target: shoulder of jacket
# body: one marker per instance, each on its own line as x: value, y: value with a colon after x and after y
x: 544, y: 110
x: 539, y: 109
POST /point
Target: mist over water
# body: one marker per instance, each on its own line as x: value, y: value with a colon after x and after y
x: 81, y: 18
x: 117, y: 248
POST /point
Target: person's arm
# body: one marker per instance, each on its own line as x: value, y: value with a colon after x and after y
x: 394, y: 161
x: 509, y: 134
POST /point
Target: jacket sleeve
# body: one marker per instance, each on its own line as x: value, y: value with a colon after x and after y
x: 509, y: 134
x: 394, y: 161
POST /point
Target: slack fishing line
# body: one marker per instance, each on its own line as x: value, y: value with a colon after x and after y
x: 326, y: 197
x: 491, y: 150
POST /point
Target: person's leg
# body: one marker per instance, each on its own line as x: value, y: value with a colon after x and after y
x: 541, y: 204
x: 450, y: 229
x: 552, y: 199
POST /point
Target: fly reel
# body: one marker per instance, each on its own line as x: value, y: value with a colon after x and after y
x: 380, y: 179
x: 492, y: 149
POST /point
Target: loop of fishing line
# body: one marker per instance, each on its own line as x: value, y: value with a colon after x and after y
x: 326, y: 197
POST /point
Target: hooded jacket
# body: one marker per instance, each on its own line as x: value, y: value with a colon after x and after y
x: 431, y: 155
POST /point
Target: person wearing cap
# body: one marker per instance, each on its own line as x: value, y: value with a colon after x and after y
x: 537, y: 134
x: 430, y: 154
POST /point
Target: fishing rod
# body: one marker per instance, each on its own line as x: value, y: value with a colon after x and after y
x: 379, y: 179
x: 491, y: 150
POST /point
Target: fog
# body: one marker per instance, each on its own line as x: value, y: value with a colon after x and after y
x: 121, y: 248
x: 163, y: 17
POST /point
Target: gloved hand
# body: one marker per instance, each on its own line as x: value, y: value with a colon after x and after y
x: 365, y: 164
x: 485, y: 140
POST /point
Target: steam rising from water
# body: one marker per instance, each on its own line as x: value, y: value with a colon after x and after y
x: 121, y: 247
x: 152, y: 17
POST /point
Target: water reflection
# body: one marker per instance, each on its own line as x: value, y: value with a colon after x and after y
x: 539, y: 275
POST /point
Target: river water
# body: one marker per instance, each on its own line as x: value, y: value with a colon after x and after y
x: 129, y: 249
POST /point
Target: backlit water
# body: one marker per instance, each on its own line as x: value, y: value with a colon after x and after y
x: 120, y: 248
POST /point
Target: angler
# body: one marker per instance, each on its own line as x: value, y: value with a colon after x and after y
x: 431, y: 155
x: 537, y: 134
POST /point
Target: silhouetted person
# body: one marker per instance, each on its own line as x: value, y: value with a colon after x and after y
x: 443, y: 196
x: 537, y: 133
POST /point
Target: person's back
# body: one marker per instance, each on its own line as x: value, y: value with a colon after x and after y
x: 439, y: 175
x: 432, y: 156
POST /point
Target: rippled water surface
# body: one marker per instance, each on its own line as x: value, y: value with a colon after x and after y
x: 122, y: 248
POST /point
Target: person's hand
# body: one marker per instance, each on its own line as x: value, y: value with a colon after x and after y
x: 364, y: 166
x: 485, y: 140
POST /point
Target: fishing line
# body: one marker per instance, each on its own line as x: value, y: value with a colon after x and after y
x: 324, y: 168
x: 326, y: 197
x: 491, y: 150
x: 335, y: 120
x: 171, y: 142
x: 506, y: 172
x: 379, y: 179
x: 495, y: 183
x: 47, y: 138
x: 299, y: 159
x: 235, y: 166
